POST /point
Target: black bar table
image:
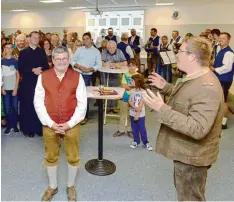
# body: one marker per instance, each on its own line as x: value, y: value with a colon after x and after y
x: 100, y: 166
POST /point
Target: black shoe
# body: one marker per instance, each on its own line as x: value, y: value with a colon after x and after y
x: 16, y: 130
x: 39, y: 134
x: 31, y: 135
x: 224, y: 126
x: 7, y: 131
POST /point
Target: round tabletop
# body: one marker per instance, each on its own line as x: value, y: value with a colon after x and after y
x: 119, y: 70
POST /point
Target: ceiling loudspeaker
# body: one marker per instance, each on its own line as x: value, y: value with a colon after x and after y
x: 176, y: 15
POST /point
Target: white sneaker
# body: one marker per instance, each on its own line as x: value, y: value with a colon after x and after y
x: 148, y: 147
x: 133, y: 145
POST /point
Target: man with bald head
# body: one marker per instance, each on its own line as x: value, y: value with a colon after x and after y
x: 20, y: 45
x: 136, y: 43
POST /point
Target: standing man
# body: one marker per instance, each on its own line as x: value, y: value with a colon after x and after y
x: 100, y: 38
x: 136, y: 44
x: 86, y: 60
x: 32, y: 62
x: 191, y: 121
x: 125, y: 48
x: 152, y: 47
x: 20, y: 45
x: 60, y: 107
x: 111, y: 36
x: 224, y: 69
x: 176, y: 41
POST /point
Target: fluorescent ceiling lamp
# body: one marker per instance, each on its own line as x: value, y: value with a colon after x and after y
x: 164, y: 4
x: 19, y: 10
x: 77, y: 7
x: 51, y: 1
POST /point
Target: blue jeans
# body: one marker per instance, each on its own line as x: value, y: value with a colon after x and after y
x: 87, y: 80
x: 138, y: 127
x: 11, y: 108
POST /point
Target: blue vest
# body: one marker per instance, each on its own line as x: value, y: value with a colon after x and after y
x: 135, y: 44
x: 113, y: 38
x: 122, y: 46
x: 228, y: 77
x: 154, y: 42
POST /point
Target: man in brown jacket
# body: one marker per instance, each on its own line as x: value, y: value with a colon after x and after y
x: 191, y: 120
x: 60, y: 102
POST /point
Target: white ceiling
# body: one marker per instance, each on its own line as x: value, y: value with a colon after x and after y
x: 8, y: 5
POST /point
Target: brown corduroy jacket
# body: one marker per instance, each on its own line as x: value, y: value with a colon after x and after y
x: 191, y: 121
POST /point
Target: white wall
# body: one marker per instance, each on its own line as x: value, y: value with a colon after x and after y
x: 47, y: 21
x: 193, y: 19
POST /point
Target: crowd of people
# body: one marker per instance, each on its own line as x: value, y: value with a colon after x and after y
x: 48, y: 77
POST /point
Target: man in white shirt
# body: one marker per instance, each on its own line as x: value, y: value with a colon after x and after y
x: 125, y: 48
x: 176, y: 41
x: 60, y: 107
x: 100, y: 38
x: 224, y: 69
x: 136, y: 44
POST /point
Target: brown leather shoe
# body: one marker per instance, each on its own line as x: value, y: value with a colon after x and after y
x: 71, y: 194
x: 49, y: 193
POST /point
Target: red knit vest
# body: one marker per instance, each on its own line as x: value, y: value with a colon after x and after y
x: 60, y: 96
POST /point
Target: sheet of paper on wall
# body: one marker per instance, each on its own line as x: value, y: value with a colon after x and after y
x: 165, y: 58
x: 172, y: 57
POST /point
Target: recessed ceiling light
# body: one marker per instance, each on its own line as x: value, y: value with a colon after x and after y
x: 77, y: 7
x: 19, y: 10
x: 52, y: 1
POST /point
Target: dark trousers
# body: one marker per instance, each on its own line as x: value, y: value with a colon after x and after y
x: 11, y: 109
x: 190, y: 181
x: 95, y: 76
x: 87, y: 80
x: 151, y: 63
x: 138, y: 127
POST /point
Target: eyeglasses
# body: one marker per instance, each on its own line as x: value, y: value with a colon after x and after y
x: 61, y: 59
x: 182, y: 51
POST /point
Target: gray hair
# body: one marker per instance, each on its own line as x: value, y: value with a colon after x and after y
x: 60, y: 49
x: 20, y: 36
x: 112, y: 43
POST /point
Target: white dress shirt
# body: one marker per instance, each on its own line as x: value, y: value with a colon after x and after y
x: 174, y: 40
x: 99, y: 41
x: 129, y: 51
x: 80, y: 111
x: 141, y: 44
x: 228, y: 61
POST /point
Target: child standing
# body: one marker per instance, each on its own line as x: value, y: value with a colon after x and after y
x: 10, y: 77
x: 124, y: 106
x: 137, y: 112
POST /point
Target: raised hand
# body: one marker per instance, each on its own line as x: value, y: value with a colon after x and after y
x: 157, y: 81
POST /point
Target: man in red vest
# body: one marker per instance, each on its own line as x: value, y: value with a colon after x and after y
x: 60, y: 102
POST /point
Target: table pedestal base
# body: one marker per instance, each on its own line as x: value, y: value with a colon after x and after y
x: 100, y: 167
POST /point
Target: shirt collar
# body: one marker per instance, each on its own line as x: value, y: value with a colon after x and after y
x: 32, y: 47
x: 113, y: 53
x: 197, y: 74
